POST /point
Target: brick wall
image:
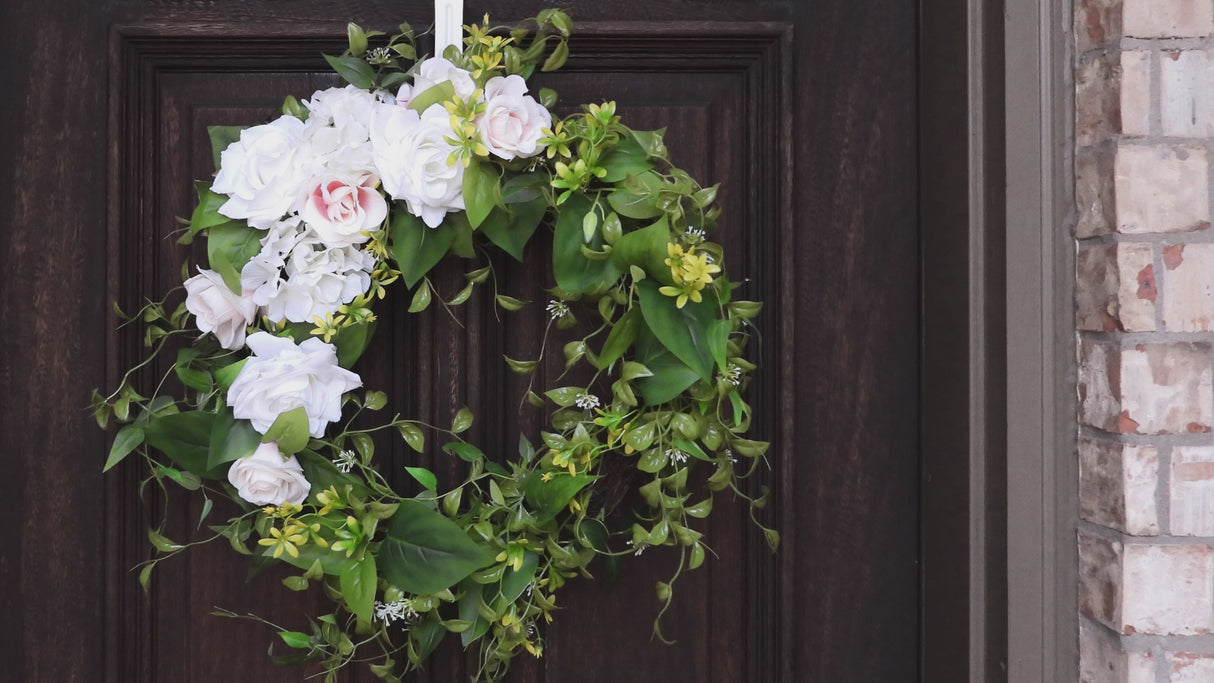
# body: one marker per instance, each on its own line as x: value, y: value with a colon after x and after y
x: 1144, y: 94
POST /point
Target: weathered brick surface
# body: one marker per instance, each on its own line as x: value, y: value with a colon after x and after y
x: 1184, y: 667
x: 1144, y: 305
x: 1118, y: 484
x: 1097, y: 100
x: 1100, y: 580
x: 1097, y: 23
x: 1186, y: 101
x: 1188, y: 287
x: 1146, y: 389
x: 1167, y: 589
x: 1101, y: 659
x: 1116, y: 287
x: 1160, y: 189
x: 1168, y: 18
x: 1192, y: 491
x: 1094, y: 192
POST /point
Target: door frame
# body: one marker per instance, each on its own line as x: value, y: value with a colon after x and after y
x: 999, y: 412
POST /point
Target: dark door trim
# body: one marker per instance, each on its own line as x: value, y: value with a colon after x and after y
x: 998, y: 431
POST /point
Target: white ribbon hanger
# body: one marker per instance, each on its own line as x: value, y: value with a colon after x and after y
x: 448, y: 25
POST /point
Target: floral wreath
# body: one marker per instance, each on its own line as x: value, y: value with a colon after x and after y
x: 307, y: 222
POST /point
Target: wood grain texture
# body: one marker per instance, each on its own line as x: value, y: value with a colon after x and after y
x: 804, y: 112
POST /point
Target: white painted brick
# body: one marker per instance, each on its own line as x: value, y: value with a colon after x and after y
x: 1192, y: 491
x: 1167, y: 589
x: 1160, y: 189
x: 1167, y: 389
x: 1186, y: 99
x: 1168, y: 18
x: 1135, y: 92
x: 1190, y: 668
x: 1188, y: 287
x: 1136, y: 288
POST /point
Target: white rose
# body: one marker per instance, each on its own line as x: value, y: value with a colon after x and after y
x: 281, y: 376
x: 261, y: 173
x: 217, y: 309
x: 513, y: 122
x: 336, y: 134
x: 265, y: 478
x: 411, y: 155
x: 438, y: 70
x: 344, y: 209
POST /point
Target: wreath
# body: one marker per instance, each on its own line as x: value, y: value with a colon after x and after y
x: 310, y: 219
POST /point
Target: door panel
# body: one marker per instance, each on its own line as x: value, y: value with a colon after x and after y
x: 804, y: 113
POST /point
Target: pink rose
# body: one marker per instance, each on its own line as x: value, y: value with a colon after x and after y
x: 513, y: 122
x: 344, y: 210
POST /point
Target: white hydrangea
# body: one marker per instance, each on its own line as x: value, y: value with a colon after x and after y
x: 297, y: 277
x: 337, y: 135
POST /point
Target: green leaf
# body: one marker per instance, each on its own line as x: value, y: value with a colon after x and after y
x: 573, y: 271
x: 521, y: 367
x: 426, y: 636
x: 231, y: 439
x: 425, y: 552
x: 622, y: 335
x: 557, y: 59
x: 351, y: 341
x: 357, y: 583
x: 509, y: 303
x: 469, y: 610
x: 671, y: 376
x: 290, y: 431
x: 357, y: 39
x: 184, y: 437
x: 645, y: 248
x: 625, y: 159
x: 415, y: 247
x: 226, y: 375
x: 221, y: 137
x: 462, y: 420
x: 466, y: 451
x: 684, y: 331
x: 515, y: 582
x: 161, y: 543
x: 482, y: 191
x: 424, y: 477
x: 421, y: 298
x: 564, y: 396
x: 718, y: 342
x: 127, y: 440
x: 651, y: 141
x: 413, y: 436
x: 295, y: 638
x: 633, y: 205
x: 442, y: 92
x: 206, y: 213
x: 356, y: 71
x: 548, y: 498
x: 691, y: 448
x: 229, y: 248
x: 511, y: 230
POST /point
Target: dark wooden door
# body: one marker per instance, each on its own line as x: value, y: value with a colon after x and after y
x: 804, y: 111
